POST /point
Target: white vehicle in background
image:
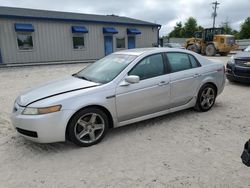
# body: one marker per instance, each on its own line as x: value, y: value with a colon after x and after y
x: 173, y: 45
x: 122, y: 88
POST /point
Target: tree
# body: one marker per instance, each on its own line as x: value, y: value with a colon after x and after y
x: 190, y: 27
x: 245, y: 29
x: 177, y: 32
x: 227, y: 28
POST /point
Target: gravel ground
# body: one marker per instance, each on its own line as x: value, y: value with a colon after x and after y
x: 183, y: 149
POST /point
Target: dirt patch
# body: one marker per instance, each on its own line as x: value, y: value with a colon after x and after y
x: 184, y: 149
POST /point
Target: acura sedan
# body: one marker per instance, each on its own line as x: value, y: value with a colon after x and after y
x: 122, y: 88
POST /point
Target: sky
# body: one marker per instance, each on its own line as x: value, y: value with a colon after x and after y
x: 164, y: 12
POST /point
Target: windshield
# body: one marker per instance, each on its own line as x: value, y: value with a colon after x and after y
x: 247, y: 49
x: 106, y: 69
x: 230, y: 40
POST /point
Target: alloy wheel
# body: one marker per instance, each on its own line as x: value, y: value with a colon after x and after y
x: 207, y: 98
x: 89, y: 128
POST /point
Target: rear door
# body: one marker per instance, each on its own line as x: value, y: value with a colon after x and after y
x: 184, y: 77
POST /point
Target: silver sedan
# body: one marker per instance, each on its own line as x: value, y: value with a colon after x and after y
x: 122, y: 88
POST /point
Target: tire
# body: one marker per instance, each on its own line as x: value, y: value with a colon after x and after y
x: 206, y: 98
x: 223, y: 53
x: 194, y: 48
x: 210, y: 50
x: 88, y: 127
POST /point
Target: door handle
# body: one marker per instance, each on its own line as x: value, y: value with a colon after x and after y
x: 196, y: 75
x: 162, y: 83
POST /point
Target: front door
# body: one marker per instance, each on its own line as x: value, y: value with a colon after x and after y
x: 108, y: 45
x: 131, y: 42
x: 150, y: 95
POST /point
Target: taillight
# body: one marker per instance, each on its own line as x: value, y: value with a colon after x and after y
x: 222, y: 69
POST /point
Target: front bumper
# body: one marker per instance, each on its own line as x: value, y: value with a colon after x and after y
x: 45, y: 128
x: 233, y: 77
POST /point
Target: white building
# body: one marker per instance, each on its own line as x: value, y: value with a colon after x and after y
x: 30, y: 36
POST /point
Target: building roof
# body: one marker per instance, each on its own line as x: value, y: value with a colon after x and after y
x: 10, y: 12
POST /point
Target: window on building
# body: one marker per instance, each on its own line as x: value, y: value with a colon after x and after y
x: 25, y: 41
x: 120, y: 42
x: 78, y: 41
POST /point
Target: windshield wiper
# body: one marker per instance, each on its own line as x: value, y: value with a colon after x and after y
x: 84, y: 78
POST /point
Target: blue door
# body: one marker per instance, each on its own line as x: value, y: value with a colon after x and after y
x: 108, y: 44
x: 131, y: 42
x: 1, y: 61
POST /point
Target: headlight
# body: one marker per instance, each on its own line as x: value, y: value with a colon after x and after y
x: 231, y: 60
x: 40, y: 111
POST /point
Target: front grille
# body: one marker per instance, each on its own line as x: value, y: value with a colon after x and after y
x: 243, y: 62
x: 27, y: 133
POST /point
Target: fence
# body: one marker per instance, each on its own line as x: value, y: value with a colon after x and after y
x: 243, y: 43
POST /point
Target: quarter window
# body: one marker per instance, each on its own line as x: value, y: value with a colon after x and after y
x: 149, y: 67
x: 193, y: 61
x: 24, y: 41
x: 179, y: 61
x: 120, y: 42
x: 78, y: 41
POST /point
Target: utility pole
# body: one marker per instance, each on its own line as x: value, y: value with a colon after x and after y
x: 214, y: 14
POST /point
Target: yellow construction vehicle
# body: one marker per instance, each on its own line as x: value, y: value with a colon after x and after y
x: 211, y: 41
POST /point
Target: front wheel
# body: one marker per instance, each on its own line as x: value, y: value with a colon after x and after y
x: 206, y: 98
x: 210, y: 50
x: 88, y: 127
x: 194, y: 48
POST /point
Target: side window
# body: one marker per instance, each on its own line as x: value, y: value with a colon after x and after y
x: 178, y: 61
x: 149, y: 67
x: 193, y: 61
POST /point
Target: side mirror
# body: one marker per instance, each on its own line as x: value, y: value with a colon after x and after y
x: 131, y: 79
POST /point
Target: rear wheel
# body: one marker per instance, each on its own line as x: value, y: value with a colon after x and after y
x: 206, y: 98
x: 210, y: 50
x: 88, y: 127
x: 194, y: 48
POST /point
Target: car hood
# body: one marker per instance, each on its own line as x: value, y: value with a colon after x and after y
x: 242, y: 55
x: 56, y: 87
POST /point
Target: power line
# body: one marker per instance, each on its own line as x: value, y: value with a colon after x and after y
x: 215, y: 6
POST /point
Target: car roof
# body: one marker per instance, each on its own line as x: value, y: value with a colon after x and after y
x: 140, y: 51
